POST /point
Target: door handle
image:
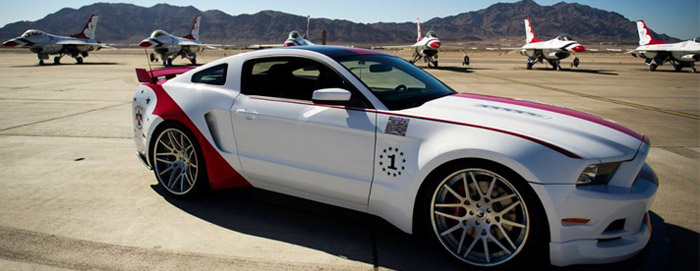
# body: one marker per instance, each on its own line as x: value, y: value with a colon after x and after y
x: 249, y: 115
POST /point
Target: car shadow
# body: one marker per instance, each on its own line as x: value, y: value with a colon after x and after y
x: 354, y: 235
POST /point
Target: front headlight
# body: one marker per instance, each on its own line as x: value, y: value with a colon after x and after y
x: 597, y: 174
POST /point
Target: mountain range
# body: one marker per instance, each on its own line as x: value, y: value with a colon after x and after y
x: 127, y: 23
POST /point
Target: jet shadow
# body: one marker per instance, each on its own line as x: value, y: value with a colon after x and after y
x: 344, y: 233
x: 67, y: 64
x: 601, y: 72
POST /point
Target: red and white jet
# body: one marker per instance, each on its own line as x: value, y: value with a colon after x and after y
x: 656, y: 52
x: 294, y: 39
x: 170, y: 47
x: 553, y: 51
x: 45, y: 44
x: 425, y: 48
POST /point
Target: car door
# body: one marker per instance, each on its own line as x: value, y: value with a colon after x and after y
x: 288, y: 144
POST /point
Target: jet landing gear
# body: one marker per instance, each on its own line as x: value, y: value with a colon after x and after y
x: 531, y: 62
x: 575, y: 63
x: 555, y: 64
x: 42, y: 57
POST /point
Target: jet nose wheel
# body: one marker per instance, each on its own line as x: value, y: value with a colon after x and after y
x: 652, y: 67
x: 576, y: 62
x: 465, y: 62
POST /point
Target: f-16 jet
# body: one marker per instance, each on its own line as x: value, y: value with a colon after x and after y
x: 426, y: 48
x: 44, y: 44
x: 294, y: 39
x: 553, y: 51
x: 656, y: 52
x: 170, y: 47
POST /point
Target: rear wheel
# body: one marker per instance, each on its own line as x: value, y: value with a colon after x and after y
x: 678, y: 67
x: 529, y: 66
x: 193, y: 60
x: 79, y: 60
x: 56, y: 60
x: 465, y: 61
x: 178, y: 161
x: 484, y: 215
x: 652, y: 67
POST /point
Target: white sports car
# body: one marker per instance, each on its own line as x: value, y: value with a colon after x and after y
x: 493, y: 181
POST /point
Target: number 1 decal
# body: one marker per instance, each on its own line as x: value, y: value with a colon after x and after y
x: 392, y: 161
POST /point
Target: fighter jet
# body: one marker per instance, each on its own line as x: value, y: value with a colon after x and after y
x: 553, y: 51
x: 294, y: 39
x: 44, y: 44
x: 656, y: 52
x: 426, y: 48
x: 170, y: 47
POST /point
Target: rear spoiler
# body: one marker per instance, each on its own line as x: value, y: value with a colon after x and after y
x: 154, y: 76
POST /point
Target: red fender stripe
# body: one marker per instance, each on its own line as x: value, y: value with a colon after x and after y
x: 221, y: 174
x: 560, y: 110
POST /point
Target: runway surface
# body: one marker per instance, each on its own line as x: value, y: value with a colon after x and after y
x: 73, y: 195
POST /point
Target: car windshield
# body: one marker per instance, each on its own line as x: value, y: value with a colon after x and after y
x: 395, y: 82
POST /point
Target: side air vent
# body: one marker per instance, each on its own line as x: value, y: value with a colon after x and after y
x: 211, y: 124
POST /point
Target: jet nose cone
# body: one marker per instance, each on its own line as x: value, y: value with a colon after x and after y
x: 10, y: 43
x: 434, y: 44
x: 147, y: 43
x: 578, y: 49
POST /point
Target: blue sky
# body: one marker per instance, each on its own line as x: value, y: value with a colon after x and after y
x: 679, y: 18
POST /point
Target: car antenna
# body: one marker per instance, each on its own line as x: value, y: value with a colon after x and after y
x: 150, y: 69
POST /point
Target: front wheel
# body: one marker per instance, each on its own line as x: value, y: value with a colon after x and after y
x: 178, y: 162
x: 485, y: 216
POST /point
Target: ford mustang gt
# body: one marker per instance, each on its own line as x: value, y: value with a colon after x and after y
x: 493, y: 181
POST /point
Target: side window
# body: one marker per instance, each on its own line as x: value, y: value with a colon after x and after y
x: 213, y: 76
x: 290, y: 78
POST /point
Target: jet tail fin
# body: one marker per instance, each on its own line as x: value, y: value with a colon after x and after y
x: 529, y: 33
x: 194, y: 31
x: 420, y: 36
x: 645, y: 36
x: 88, y: 31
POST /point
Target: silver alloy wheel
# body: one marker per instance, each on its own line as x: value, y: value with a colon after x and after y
x: 175, y: 160
x: 479, y: 217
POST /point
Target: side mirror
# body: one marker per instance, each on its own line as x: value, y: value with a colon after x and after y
x: 332, y: 96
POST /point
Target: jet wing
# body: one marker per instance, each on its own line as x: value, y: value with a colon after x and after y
x: 77, y: 42
x: 393, y: 47
x: 264, y: 46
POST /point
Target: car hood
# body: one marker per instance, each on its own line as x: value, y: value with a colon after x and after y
x: 583, y: 134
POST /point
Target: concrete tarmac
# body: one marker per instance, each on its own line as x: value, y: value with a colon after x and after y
x: 73, y: 196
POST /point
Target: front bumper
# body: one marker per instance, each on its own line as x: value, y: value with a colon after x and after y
x: 618, y: 226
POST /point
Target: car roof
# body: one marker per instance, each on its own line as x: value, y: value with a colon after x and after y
x: 335, y: 51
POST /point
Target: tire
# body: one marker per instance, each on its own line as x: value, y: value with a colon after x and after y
x: 170, y: 62
x: 193, y: 61
x: 652, y: 67
x: 41, y: 62
x: 576, y: 62
x: 79, y: 60
x: 678, y: 67
x: 56, y: 60
x: 178, y: 163
x: 469, y: 228
x: 529, y: 66
x: 465, y: 61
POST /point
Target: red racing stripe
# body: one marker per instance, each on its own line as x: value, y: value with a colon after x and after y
x: 560, y: 110
x: 538, y: 141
